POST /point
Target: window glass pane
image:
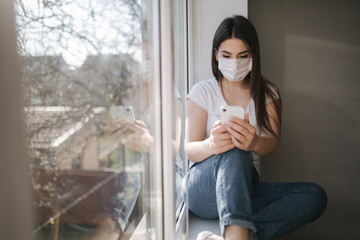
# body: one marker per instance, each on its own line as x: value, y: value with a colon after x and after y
x: 87, y: 68
x: 180, y: 80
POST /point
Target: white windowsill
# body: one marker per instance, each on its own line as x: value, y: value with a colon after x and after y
x: 197, y: 225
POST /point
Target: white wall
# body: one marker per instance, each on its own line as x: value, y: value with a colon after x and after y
x: 205, y: 16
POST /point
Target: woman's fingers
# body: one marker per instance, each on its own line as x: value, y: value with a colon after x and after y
x: 236, y: 142
x: 236, y: 134
x: 237, y: 139
x: 222, y: 136
x: 113, y: 127
x: 222, y: 143
x: 133, y: 127
x: 141, y: 124
x: 216, y: 124
x: 240, y: 125
x: 119, y: 135
x: 218, y: 129
x: 243, y: 134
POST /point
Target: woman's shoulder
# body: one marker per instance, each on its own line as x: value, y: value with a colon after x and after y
x: 205, y: 85
x: 206, y: 82
x: 202, y: 91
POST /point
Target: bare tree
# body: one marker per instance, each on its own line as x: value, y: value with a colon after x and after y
x: 78, y: 57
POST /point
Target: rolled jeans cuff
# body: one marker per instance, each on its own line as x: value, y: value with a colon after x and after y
x: 228, y: 220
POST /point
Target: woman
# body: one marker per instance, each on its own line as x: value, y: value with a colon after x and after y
x: 224, y: 179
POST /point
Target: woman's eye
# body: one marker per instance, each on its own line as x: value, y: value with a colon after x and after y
x: 226, y: 56
x: 244, y: 56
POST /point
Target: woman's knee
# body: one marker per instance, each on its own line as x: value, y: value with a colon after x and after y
x: 317, y: 198
x: 236, y: 158
x: 321, y: 198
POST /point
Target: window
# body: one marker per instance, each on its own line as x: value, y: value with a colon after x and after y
x: 97, y: 104
x: 87, y: 74
x: 180, y: 83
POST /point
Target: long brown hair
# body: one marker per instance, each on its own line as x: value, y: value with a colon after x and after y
x: 262, y: 89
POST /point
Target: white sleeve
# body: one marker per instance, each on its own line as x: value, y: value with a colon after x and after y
x: 199, y: 95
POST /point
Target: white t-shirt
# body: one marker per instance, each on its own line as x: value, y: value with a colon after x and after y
x: 207, y: 94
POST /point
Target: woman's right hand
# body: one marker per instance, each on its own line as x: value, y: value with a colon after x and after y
x: 133, y: 135
x: 220, y: 139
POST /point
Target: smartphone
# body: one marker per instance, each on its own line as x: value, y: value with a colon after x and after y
x: 227, y: 111
x: 122, y: 113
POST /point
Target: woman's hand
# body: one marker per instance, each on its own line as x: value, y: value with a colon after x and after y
x: 243, y: 134
x: 220, y: 139
x: 133, y: 135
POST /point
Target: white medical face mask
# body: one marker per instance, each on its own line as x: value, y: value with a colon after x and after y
x: 235, y: 69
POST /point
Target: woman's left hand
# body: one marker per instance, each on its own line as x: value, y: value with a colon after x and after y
x: 243, y: 134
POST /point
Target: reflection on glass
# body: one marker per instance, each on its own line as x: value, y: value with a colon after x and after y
x: 87, y: 87
x: 180, y: 80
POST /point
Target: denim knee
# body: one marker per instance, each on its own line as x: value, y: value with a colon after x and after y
x: 235, y: 159
x: 234, y: 171
x: 319, y: 200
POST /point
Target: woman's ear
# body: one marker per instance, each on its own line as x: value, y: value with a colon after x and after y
x: 216, y: 56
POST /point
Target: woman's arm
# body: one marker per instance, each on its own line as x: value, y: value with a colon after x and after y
x: 244, y: 135
x: 197, y: 146
x: 266, y: 142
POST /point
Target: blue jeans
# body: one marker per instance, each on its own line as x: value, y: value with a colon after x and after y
x: 227, y: 186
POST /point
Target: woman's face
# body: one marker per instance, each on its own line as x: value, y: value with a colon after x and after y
x: 233, y: 48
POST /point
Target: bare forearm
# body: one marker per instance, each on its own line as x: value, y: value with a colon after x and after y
x: 198, y: 151
x: 265, y: 145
